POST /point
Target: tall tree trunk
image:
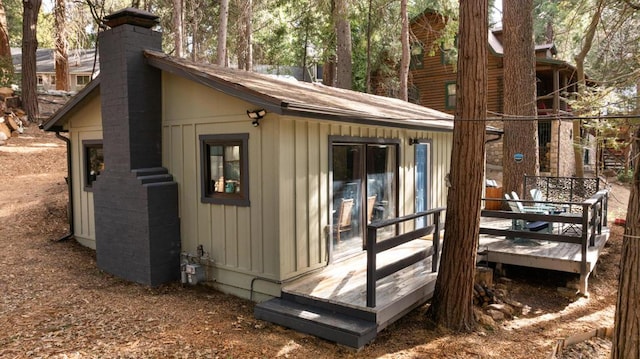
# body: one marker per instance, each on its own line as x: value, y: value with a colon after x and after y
x: 626, y: 336
x: 178, y: 35
x: 520, y: 141
x: 61, y: 55
x: 6, y: 63
x: 582, y: 85
x: 222, y: 33
x: 344, y: 67
x: 452, y: 303
x: 406, y: 56
x: 367, y: 81
x: 245, y: 50
x: 29, y: 47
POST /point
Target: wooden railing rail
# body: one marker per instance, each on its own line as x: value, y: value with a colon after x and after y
x: 592, y: 219
x: 374, y: 248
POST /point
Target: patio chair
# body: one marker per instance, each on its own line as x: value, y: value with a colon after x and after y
x: 371, y: 201
x: 520, y: 224
x: 343, y: 223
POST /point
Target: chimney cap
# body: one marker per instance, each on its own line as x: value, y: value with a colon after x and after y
x: 131, y: 16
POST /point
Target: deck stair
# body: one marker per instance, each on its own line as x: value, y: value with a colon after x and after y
x: 343, y: 325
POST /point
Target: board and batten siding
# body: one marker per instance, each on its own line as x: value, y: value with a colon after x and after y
x: 84, y: 124
x: 285, y: 230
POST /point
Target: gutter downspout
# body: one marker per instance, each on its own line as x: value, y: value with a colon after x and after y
x: 69, y: 189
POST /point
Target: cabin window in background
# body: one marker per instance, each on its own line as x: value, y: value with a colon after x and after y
x: 450, y: 95
x: 82, y: 80
x: 93, y: 162
x: 449, y: 52
x: 417, y: 56
x: 225, y: 167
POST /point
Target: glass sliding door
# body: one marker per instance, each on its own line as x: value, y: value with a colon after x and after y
x: 364, y: 186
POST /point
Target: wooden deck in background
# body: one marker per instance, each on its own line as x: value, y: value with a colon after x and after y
x: 536, y: 253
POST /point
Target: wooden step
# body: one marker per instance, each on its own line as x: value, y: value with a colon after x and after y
x: 321, y: 322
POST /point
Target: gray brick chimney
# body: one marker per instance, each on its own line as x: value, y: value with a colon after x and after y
x: 135, y: 198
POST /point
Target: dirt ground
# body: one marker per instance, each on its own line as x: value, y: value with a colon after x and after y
x: 55, y: 302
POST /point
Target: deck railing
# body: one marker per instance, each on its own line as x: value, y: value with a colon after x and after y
x: 374, y: 247
x: 591, y: 221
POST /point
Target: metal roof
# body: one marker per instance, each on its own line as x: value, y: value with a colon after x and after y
x: 80, y: 61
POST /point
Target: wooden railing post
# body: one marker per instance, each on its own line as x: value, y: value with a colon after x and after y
x: 436, y: 242
x: 371, y: 266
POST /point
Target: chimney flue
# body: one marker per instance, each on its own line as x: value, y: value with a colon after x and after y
x: 132, y: 16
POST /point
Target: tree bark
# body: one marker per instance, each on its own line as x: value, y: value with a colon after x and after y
x: 406, y: 56
x: 452, y: 303
x: 178, y: 28
x: 520, y: 127
x: 222, y: 33
x: 29, y: 47
x: 582, y: 85
x: 344, y: 67
x: 626, y: 336
x: 6, y: 63
x: 245, y: 49
x: 61, y: 54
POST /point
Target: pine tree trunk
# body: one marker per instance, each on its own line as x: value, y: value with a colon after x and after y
x: 178, y: 28
x: 626, y: 337
x: 452, y: 303
x: 6, y: 62
x: 344, y: 67
x: 520, y: 142
x: 222, y: 33
x: 406, y: 56
x: 61, y: 55
x: 582, y: 85
x: 29, y: 47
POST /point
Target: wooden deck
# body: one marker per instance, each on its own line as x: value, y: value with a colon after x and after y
x: 344, y: 283
x: 331, y: 303
x: 539, y: 253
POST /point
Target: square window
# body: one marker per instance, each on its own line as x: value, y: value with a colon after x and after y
x: 93, y: 162
x: 225, y: 167
x: 450, y: 96
x: 82, y: 80
x: 40, y: 80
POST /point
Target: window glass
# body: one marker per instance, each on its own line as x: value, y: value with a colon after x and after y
x: 450, y: 96
x: 225, y: 169
x: 82, y: 79
x: 94, y: 161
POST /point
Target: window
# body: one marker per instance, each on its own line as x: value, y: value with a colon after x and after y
x: 93, y: 162
x: 225, y: 177
x: 82, y: 80
x: 449, y: 52
x: 417, y: 56
x: 450, y: 96
x: 40, y: 80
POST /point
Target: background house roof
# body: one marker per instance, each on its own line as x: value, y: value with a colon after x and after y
x: 80, y: 61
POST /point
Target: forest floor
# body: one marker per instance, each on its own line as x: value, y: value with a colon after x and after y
x: 55, y: 302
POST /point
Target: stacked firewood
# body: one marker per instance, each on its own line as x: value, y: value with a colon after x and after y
x: 483, y: 295
x: 10, y: 124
